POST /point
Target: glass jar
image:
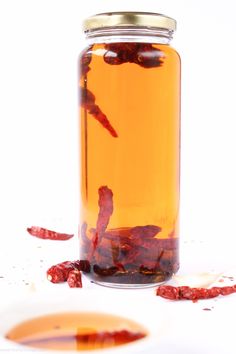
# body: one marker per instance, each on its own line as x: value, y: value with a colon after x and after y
x: 130, y: 139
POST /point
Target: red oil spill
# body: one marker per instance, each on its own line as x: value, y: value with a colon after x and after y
x: 76, y: 331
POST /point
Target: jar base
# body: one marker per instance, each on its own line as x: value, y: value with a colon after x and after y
x: 129, y: 286
x: 131, y: 280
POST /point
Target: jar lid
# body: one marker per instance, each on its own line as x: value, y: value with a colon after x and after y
x: 129, y: 19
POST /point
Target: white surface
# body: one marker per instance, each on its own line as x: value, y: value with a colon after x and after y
x: 44, y: 303
x: 39, y: 42
x: 182, y: 327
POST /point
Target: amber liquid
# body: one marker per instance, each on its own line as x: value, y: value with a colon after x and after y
x: 140, y: 166
x: 60, y: 331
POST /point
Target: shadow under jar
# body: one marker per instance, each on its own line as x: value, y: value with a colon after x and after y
x: 130, y: 136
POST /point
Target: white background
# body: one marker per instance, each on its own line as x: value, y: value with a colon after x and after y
x: 39, y: 45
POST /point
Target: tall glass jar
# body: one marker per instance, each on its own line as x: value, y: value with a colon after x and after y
x: 130, y: 139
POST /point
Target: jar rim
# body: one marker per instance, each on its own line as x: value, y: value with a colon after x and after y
x: 129, y: 19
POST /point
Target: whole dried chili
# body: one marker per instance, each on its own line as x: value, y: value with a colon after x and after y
x: 59, y: 273
x: 186, y: 293
x: 45, y: 234
x: 88, y: 103
x: 105, y: 203
x: 87, y: 98
x: 104, y: 271
x: 148, y: 231
x: 83, y: 236
x: 143, y: 54
x: 139, y: 236
x: 83, y: 265
x: 148, y: 56
x: 85, y: 61
x: 74, y: 279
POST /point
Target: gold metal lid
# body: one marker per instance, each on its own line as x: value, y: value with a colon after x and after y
x: 129, y: 19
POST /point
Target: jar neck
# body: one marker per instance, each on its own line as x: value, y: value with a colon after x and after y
x: 129, y: 34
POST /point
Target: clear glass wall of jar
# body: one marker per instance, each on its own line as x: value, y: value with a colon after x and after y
x: 130, y: 138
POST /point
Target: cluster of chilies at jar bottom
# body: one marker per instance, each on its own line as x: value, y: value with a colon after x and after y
x: 70, y: 272
x: 128, y: 254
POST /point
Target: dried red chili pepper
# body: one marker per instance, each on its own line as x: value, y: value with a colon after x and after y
x: 105, y: 203
x: 45, y: 234
x: 194, y: 294
x: 122, y: 233
x: 59, y: 273
x: 120, y: 53
x: 87, y: 97
x: 105, y: 253
x: 104, y: 271
x: 143, y: 54
x: 88, y: 103
x: 86, y: 58
x: 74, y: 279
x: 138, y: 236
x: 83, y: 233
x: 147, y: 232
x: 148, y: 57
